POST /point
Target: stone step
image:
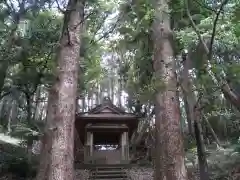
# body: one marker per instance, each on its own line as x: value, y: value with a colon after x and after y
x: 109, y: 179
x: 109, y: 176
x: 108, y: 172
x: 108, y: 168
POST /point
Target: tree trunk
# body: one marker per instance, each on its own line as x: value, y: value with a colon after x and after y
x: 58, y: 141
x: 212, y: 131
x: 188, y: 95
x: 194, y: 114
x: 119, y: 94
x: 112, y: 84
x: 13, y: 114
x: 78, y: 148
x: 88, y: 102
x: 37, y: 103
x: 5, y: 113
x: 29, y: 109
x: 231, y: 96
x: 159, y: 159
x: 188, y: 114
x: 8, y: 48
x: 84, y: 104
x: 169, y: 142
x: 201, y: 150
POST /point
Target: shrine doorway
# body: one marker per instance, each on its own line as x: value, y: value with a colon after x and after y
x: 107, y: 147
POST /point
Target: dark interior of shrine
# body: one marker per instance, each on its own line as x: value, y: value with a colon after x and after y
x: 109, y: 141
x: 106, y: 137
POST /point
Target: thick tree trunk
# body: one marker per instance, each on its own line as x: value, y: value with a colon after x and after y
x: 169, y: 142
x: 159, y: 155
x: 58, y: 141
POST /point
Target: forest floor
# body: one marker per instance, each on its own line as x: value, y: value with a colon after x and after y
x: 224, y: 164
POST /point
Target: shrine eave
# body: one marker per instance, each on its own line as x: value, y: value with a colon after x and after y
x: 105, y: 127
x: 106, y: 115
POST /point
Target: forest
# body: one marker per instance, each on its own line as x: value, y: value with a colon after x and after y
x: 175, y: 63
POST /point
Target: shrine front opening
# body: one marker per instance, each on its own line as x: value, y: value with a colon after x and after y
x: 107, y: 145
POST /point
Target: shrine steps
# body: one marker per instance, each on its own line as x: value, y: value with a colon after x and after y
x: 108, y: 173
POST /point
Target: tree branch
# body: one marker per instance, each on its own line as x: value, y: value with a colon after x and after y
x: 205, y: 6
x: 58, y: 6
x: 5, y: 94
x: 214, y: 29
x: 83, y: 20
x: 100, y: 26
x: 208, y: 49
x: 106, y: 33
x: 195, y: 27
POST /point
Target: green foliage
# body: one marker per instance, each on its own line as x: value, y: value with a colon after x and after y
x: 32, y: 57
x: 28, y: 132
x: 14, y: 160
x: 237, y: 145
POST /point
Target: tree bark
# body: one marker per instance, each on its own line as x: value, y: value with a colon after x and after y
x: 212, y: 131
x: 188, y: 95
x: 169, y: 141
x: 58, y: 141
x: 78, y: 148
x: 37, y: 98
x: 192, y: 105
x: 201, y: 150
x: 13, y: 114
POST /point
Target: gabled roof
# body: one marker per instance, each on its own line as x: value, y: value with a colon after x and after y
x: 106, y: 107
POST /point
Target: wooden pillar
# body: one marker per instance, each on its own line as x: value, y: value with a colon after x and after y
x: 124, y: 146
x: 90, y: 142
x: 127, y: 146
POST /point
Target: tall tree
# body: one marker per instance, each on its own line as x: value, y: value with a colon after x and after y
x: 193, y: 111
x: 58, y: 141
x: 170, y: 155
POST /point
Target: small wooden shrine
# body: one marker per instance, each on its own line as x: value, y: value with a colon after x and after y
x: 104, y: 133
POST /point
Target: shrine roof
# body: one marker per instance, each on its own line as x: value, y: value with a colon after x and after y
x: 107, y: 109
x: 106, y: 113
